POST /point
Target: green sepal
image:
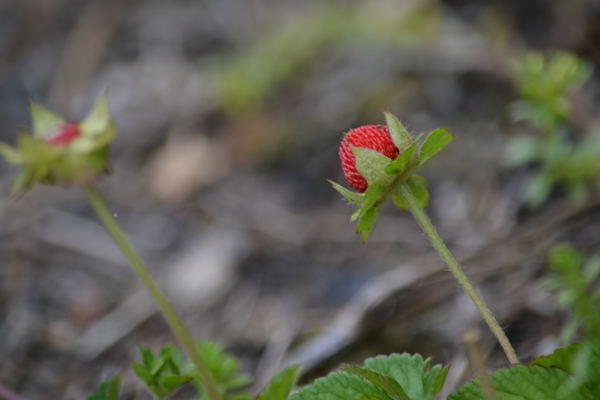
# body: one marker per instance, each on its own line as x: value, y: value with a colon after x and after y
x: 107, y: 390
x: 371, y: 165
x: 434, y: 143
x: 400, y: 164
x: 375, y: 196
x: 98, y: 120
x: 355, y: 215
x: 43, y: 121
x: 401, y: 137
x: 352, y: 197
x: 10, y: 155
x: 418, y: 187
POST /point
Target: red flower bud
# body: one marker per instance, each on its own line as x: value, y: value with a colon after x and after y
x: 372, y: 137
x: 64, y: 134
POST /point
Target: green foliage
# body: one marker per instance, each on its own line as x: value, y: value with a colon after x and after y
x: 545, y: 85
x: 243, y: 83
x: 163, y: 374
x: 397, y: 377
x: 224, y: 370
x: 107, y: 390
x: 280, y: 385
x: 524, y: 383
x: 574, y: 282
x: 383, y: 174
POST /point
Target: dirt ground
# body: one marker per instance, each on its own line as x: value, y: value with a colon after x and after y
x: 229, y: 117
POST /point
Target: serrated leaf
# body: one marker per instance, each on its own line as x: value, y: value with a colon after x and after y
x: 373, y: 195
x: 411, y: 372
x: 401, y: 137
x: 387, y: 384
x: 281, y: 384
x: 398, y: 165
x: 524, y: 383
x: 434, y: 143
x: 143, y: 374
x: 352, y: 197
x: 340, y: 385
x: 371, y: 165
x: 43, y: 121
x: 173, y: 382
x: 107, y: 390
x: 562, y: 358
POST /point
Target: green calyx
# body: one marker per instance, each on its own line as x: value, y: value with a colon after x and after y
x: 78, y: 159
x: 384, y: 174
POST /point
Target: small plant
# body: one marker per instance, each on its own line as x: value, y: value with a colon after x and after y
x: 546, y: 86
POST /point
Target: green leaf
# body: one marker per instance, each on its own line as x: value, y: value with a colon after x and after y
x: 342, y: 386
x: 562, y: 358
x: 411, y: 372
x: 371, y: 165
x: 174, y: 382
x: 402, y: 139
x: 352, y: 197
x: 434, y: 143
x: 398, y: 165
x: 107, y: 390
x: 143, y: 374
x: 418, y: 187
x: 281, y: 384
x: 389, y: 385
x: 43, y: 121
x: 524, y: 383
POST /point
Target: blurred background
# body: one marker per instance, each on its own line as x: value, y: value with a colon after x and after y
x: 229, y: 117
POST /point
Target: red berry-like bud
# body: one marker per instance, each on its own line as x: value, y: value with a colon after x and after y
x: 372, y: 137
x: 64, y: 134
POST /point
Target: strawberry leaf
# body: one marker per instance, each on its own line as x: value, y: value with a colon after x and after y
x: 341, y: 385
x: 402, y: 139
x: 412, y: 373
x: 352, y: 197
x: 387, y: 384
x: 434, y: 143
x: 524, y: 383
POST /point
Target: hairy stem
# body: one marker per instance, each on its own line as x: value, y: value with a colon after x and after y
x: 177, y: 326
x: 456, y: 270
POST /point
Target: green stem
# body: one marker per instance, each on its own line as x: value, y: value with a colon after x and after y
x: 177, y: 326
x: 456, y: 270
